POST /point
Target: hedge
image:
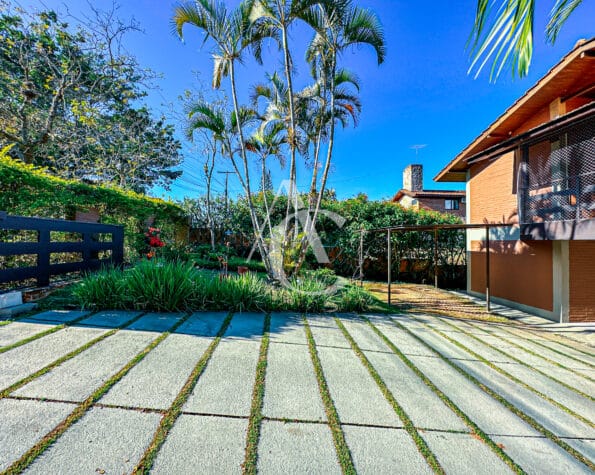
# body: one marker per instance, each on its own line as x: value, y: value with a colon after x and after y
x: 26, y: 190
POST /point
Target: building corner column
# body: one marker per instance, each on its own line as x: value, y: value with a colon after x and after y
x: 561, y: 280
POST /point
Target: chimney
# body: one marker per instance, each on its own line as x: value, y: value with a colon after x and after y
x: 413, y: 178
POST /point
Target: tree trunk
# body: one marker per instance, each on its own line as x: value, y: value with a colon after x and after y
x: 253, y: 217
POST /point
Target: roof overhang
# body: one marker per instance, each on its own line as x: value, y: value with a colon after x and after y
x: 573, y: 76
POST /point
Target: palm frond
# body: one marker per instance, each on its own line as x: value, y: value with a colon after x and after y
x: 509, y: 41
x: 558, y: 16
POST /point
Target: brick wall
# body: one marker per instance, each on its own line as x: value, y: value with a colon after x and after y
x: 582, y: 281
x: 492, y: 191
x: 519, y: 271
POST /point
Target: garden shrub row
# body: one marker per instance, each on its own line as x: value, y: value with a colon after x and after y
x: 177, y: 286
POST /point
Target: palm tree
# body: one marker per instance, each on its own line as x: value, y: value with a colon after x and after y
x: 338, y: 25
x: 207, y: 116
x: 509, y: 39
x: 316, y: 119
x: 276, y: 17
x: 229, y: 32
x: 268, y: 141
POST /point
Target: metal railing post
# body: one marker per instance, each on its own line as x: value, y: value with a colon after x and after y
x: 488, y: 268
x: 389, y: 262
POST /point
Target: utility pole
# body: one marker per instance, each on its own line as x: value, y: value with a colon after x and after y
x: 226, y: 173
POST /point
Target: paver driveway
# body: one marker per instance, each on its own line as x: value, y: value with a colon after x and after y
x: 115, y: 392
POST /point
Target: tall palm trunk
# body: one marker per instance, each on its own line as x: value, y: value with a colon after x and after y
x: 327, y: 166
x: 253, y: 216
x: 292, y: 134
x: 209, y: 177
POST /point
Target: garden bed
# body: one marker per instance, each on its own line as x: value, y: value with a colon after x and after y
x: 176, y: 286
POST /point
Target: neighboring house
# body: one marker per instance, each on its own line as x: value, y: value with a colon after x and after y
x: 412, y: 195
x: 535, y: 167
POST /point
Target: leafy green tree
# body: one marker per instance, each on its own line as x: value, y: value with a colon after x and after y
x: 506, y: 36
x: 67, y: 100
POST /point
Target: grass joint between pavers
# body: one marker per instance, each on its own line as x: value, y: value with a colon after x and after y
x: 174, y: 411
x: 341, y: 447
x: 256, y: 416
x: 511, y: 407
x: 51, y: 437
x: 420, y: 443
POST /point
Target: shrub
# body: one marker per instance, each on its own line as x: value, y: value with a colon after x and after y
x: 102, y: 289
x: 353, y: 299
x: 160, y: 285
x: 236, y: 293
x: 307, y: 295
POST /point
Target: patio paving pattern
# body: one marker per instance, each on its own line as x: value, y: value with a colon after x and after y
x: 130, y: 392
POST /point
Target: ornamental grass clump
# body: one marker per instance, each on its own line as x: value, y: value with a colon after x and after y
x: 306, y: 295
x: 242, y: 293
x: 353, y: 299
x: 103, y: 289
x: 160, y: 285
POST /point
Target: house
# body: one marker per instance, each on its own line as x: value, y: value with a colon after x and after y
x: 535, y: 167
x: 412, y: 195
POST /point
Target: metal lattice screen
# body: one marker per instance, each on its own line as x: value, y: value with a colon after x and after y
x: 559, y: 179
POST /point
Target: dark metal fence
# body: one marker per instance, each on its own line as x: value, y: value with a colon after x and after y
x: 557, y: 179
x: 90, y: 244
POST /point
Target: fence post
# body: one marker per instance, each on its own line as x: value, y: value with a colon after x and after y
x: 389, y: 270
x: 488, y: 268
x: 118, y: 247
x: 43, y: 258
x: 436, y: 258
x: 361, y: 258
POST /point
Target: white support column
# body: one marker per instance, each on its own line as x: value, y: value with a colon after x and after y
x: 561, y: 276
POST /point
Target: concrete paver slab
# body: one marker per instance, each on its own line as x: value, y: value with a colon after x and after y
x: 105, y: 440
x: 18, y: 331
x: 24, y: 423
x: 287, y: 328
x: 156, y: 381
x: 291, y: 389
x: 203, y: 444
x: 375, y: 450
x: 108, y: 319
x: 326, y: 332
x: 55, y: 316
x: 155, y: 322
x: 356, y: 395
x: 226, y: 385
x: 20, y: 362
x: 400, y: 338
x: 245, y: 326
x: 202, y: 324
x: 364, y: 335
x: 464, y: 454
x: 422, y: 405
x: 540, y: 455
x: 77, y: 378
x: 296, y: 448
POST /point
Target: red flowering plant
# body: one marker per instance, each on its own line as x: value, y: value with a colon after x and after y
x: 153, y: 239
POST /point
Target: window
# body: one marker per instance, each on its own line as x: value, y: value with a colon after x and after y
x: 451, y: 204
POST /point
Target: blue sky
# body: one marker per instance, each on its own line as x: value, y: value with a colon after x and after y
x: 422, y: 94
